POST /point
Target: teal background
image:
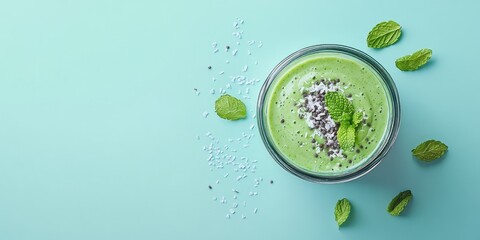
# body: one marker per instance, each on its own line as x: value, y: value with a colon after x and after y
x: 98, y: 121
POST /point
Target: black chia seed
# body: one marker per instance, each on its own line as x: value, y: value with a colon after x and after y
x: 312, y: 108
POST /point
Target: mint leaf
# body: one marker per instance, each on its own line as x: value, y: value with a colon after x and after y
x: 339, y: 107
x: 342, y: 211
x: 357, y: 118
x: 414, y: 61
x: 384, y: 34
x: 398, y: 203
x: 346, y: 136
x: 230, y: 108
x: 430, y: 150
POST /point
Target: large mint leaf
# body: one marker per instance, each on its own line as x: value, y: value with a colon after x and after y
x: 430, y: 150
x: 231, y: 108
x: 398, y: 203
x: 342, y: 211
x: 414, y: 61
x: 384, y: 34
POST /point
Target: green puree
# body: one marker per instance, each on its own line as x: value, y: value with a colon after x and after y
x: 292, y: 135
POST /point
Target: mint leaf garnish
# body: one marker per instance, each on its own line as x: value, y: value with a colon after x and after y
x: 339, y: 107
x: 357, y: 118
x: 230, y: 108
x: 384, y: 34
x: 430, y: 150
x: 398, y: 203
x: 341, y: 110
x: 414, y: 61
x: 342, y: 211
x: 346, y: 136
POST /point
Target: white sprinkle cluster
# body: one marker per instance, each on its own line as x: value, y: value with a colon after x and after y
x: 228, y: 159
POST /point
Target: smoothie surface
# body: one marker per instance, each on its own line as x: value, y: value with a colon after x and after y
x: 291, y: 133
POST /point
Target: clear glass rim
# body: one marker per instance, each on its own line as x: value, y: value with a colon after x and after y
x: 390, y: 133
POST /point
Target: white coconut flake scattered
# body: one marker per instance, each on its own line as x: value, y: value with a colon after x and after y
x: 221, y: 154
x: 255, y: 210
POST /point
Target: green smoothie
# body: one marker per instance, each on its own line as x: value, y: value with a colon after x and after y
x: 298, y: 89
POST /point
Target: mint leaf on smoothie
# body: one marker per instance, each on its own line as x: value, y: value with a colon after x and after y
x: 384, y: 34
x: 339, y: 107
x: 399, y: 202
x: 357, y: 118
x: 346, y: 136
x: 342, y: 211
x: 342, y: 111
x: 430, y: 150
x: 230, y: 108
x: 414, y: 61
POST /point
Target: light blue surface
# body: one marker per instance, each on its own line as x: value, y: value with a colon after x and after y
x: 98, y: 121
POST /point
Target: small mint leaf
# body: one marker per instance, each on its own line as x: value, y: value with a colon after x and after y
x: 338, y: 106
x: 414, y: 61
x: 346, y: 136
x: 357, y: 118
x: 384, y: 34
x: 230, y: 108
x: 430, y: 150
x: 342, y: 211
x: 399, y: 202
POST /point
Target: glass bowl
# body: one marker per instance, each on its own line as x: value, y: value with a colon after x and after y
x: 384, y: 144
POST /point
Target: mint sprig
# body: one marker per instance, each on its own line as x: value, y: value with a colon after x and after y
x: 341, y: 110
